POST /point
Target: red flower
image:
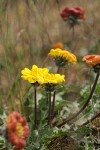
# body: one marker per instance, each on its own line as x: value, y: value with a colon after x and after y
x: 17, y: 130
x: 74, y: 12
x: 92, y: 60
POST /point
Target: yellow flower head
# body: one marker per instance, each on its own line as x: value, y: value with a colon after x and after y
x: 35, y: 74
x: 54, y: 79
x: 62, y: 57
x: 51, y: 80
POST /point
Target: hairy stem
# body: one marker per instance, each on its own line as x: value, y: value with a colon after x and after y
x: 58, y: 69
x: 49, y: 113
x: 73, y: 33
x: 53, y: 103
x: 58, y: 4
x: 35, y: 108
x: 85, y: 105
x: 54, y: 95
x: 88, y: 121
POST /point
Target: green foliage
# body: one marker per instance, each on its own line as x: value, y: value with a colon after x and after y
x: 2, y: 143
x: 2, y: 129
x: 39, y: 139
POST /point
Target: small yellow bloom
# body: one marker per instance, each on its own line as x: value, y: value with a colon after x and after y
x: 53, y: 79
x: 26, y: 74
x: 35, y: 74
x: 62, y: 57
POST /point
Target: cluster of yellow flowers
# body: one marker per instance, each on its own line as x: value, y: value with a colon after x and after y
x: 65, y: 56
x: 41, y: 76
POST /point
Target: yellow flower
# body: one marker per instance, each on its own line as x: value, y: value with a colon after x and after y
x: 26, y: 74
x: 62, y: 57
x: 35, y: 74
x: 53, y: 79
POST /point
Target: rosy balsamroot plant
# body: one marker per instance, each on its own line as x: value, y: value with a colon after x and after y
x: 17, y: 130
x: 72, y: 15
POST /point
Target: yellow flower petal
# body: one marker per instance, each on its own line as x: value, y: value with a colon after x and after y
x: 66, y: 55
x: 35, y: 74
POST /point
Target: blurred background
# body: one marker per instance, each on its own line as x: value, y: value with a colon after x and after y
x: 29, y: 29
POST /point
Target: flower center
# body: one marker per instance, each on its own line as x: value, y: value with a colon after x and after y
x: 19, y: 130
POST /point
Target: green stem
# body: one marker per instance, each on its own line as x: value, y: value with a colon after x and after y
x: 54, y: 95
x: 73, y: 33
x: 85, y: 105
x: 35, y: 109
x: 87, y: 122
x: 58, y: 4
x: 58, y: 69
x: 92, y: 102
x: 49, y: 114
x: 73, y: 39
x: 53, y: 103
